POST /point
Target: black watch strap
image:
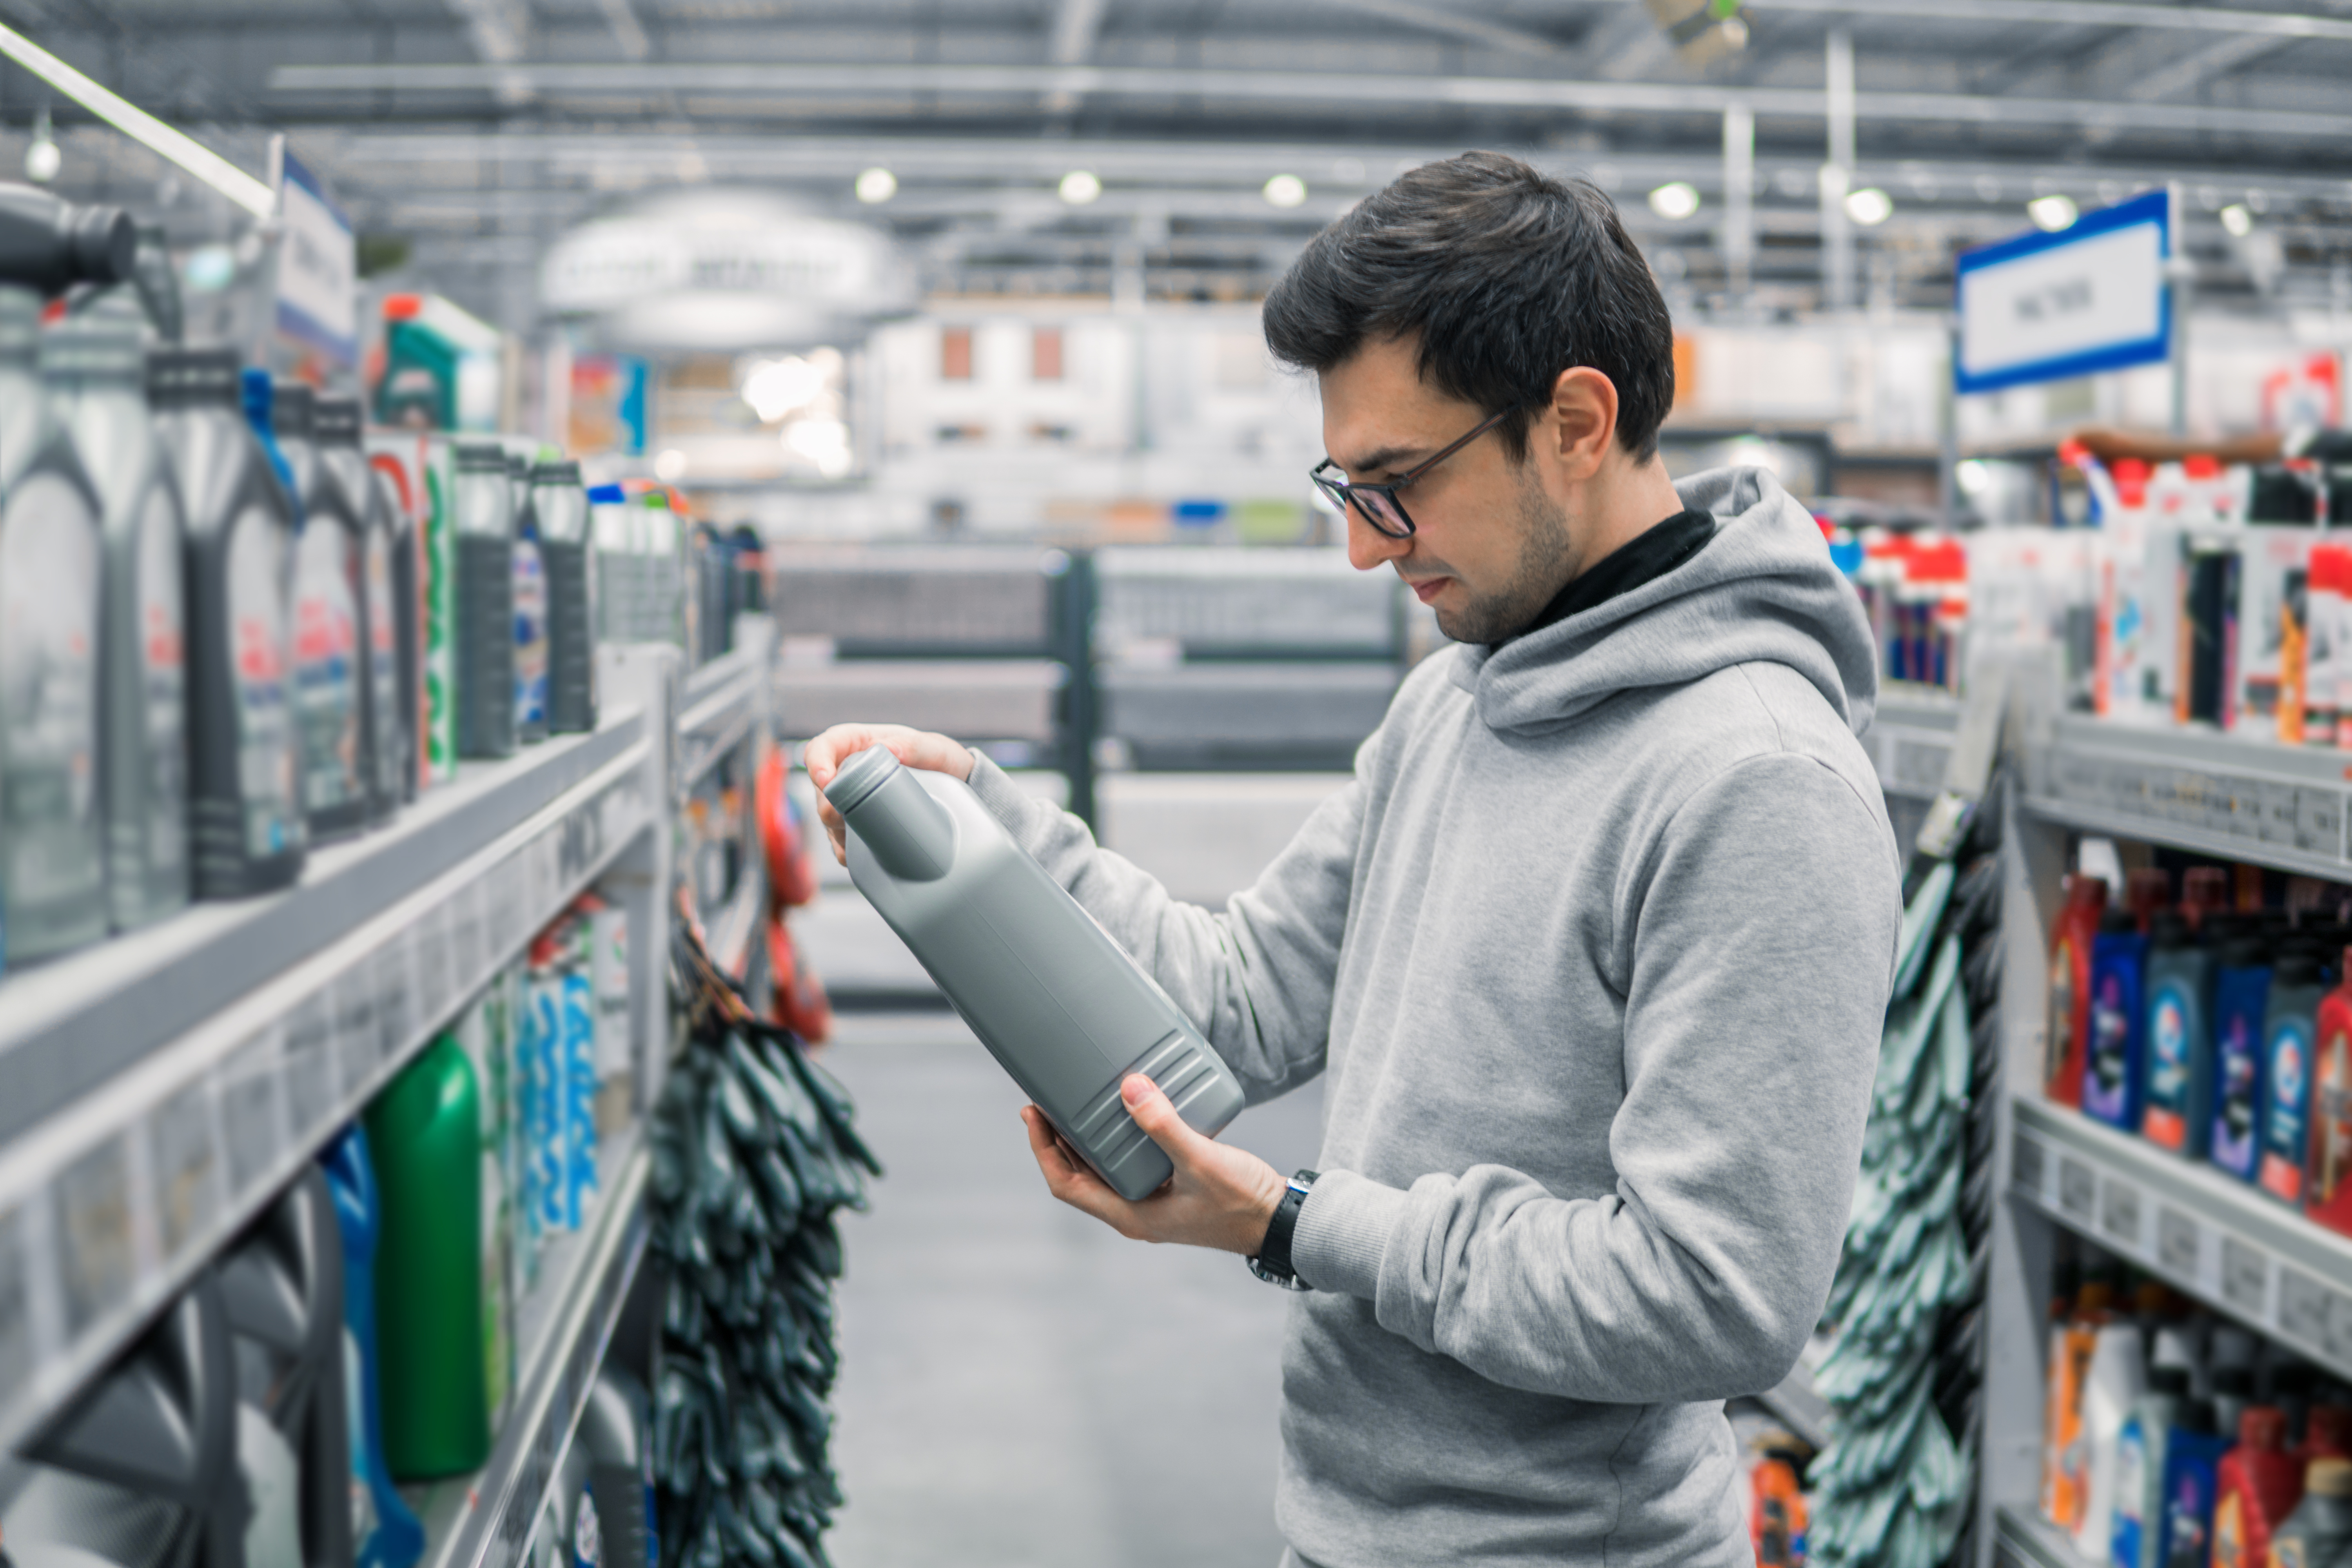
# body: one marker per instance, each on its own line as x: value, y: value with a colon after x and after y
x: 1273, y: 1263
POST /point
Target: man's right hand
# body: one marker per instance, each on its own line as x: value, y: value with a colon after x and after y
x: 913, y: 747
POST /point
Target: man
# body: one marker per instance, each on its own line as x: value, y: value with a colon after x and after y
x: 1592, y: 951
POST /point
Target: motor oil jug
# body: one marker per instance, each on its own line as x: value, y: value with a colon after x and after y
x: 484, y: 568
x: 425, y: 1137
x: 560, y: 505
x: 398, y: 459
x: 52, y: 861
x: 618, y: 576
x: 141, y: 1468
x: 246, y: 833
x: 2113, y: 1068
x: 2241, y: 986
x: 2290, y: 1028
x: 344, y: 463
x: 615, y: 1434
x: 384, y: 1531
x: 530, y: 608
x: 2178, y: 1112
x: 329, y: 693
x: 282, y: 1286
x: 1058, y: 1003
x: 96, y: 376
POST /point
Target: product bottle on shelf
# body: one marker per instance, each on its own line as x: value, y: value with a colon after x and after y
x: 2256, y: 1486
x: 425, y: 1136
x: 2177, y: 1112
x: 96, y: 374
x: 2065, y: 1454
x: 396, y: 461
x: 2139, y: 1468
x: 2204, y: 893
x: 2290, y: 1027
x: 52, y: 845
x: 384, y: 1531
x: 561, y: 505
x: 485, y: 541
x: 245, y: 819
x: 283, y: 1287
x: 2318, y: 1534
x: 2192, y: 1460
x: 2209, y: 629
x: 482, y: 1034
x: 615, y: 1434
x: 612, y: 524
x: 2112, y: 1385
x: 438, y: 556
x: 48, y: 246
x: 2242, y: 985
x: 2070, y: 987
x: 360, y: 497
x: 2326, y: 1433
x: 329, y: 631
x: 529, y: 633
x: 157, y: 283
x: 2328, y: 1196
x: 2146, y: 891
x: 2114, y: 1072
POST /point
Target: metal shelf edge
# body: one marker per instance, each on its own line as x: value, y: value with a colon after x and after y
x: 2179, y: 836
x: 195, y: 1079
x: 2224, y: 1242
x: 502, y: 1503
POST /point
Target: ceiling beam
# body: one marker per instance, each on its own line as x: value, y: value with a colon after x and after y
x: 1077, y: 24
x: 2088, y: 14
x: 2203, y: 64
x: 628, y: 33
x: 1454, y: 24
x: 714, y: 79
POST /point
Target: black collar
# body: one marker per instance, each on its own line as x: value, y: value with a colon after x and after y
x: 1651, y: 555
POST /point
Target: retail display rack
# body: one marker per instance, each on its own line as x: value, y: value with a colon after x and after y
x: 158, y: 1091
x: 2223, y: 1243
x: 723, y: 719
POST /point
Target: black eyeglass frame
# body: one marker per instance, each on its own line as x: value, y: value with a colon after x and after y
x: 1343, y: 493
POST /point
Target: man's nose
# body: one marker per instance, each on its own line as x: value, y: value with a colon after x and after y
x: 1368, y: 547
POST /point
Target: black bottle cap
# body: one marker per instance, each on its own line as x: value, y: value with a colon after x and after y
x: 51, y: 244
x: 177, y: 378
x: 481, y: 458
x: 2172, y: 1380
x: 335, y: 421
x: 565, y: 472
x: 293, y: 408
x: 2170, y: 927
x: 2246, y: 950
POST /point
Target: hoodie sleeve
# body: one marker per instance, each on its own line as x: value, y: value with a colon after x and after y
x: 1762, y: 926
x: 1257, y: 978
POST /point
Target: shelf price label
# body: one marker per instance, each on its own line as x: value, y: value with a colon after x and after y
x: 2025, y: 1166
x: 15, y: 1303
x: 2119, y: 1213
x: 2078, y: 1189
x: 2245, y: 1277
x: 2175, y: 1243
x: 185, y: 1138
x: 2302, y: 1308
x: 253, y: 1109
x: 94, y: 1220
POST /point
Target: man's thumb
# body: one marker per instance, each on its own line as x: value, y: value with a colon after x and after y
x: 1154, y: 1113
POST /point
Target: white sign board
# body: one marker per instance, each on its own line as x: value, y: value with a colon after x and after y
x: 2047, y: 306
x: 318, y: 268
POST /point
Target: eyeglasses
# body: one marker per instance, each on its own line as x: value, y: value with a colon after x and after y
x: 1378, y: 504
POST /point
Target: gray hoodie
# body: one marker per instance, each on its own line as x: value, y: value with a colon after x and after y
x: 1593, y: 953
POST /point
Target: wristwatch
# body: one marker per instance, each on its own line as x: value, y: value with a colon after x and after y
x: 1272, y: 1263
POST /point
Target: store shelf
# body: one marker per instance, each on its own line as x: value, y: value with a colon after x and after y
x: 1799, y: 1406
x: 485, y: 1520
x: 1910, y: 737
x: 736, y: 927
x: 722, y: 702
x: 157, y: 1091
x: 2226, y: 1243
x: 2026, y: 1538
x: 2231, y: 796
x: 977, y: 699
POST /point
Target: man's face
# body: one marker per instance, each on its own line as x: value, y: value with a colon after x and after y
x: 1492, y: 545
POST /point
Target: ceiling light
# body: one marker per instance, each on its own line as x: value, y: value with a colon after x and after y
x: 2053, y: 212
x: 876, y: 185
x: 140, y: 126
x: 1079, y: 187
x: 670, y: 466
x: 1869, y: 206
x: 2238, y: 220
x: 43, y: 159
x: 1285, y: 191
x: 778, y: 386
x: 1675, y: 200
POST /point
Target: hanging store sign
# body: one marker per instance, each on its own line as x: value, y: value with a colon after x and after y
x: 318, y: 266
x: 2047, y: 306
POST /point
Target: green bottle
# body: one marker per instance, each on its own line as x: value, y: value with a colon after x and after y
x: 425, y: 1133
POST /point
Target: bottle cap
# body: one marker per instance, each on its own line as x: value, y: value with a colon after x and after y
x: 607, y: 495
x: 2329, y: 1477
x: 2263, y: 1426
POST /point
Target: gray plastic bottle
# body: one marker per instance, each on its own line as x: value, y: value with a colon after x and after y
x: 95, y: 369
x: 1058, y: 1003
x: 559, y: 503
x: 244, y: 817
x: 330, y: 629
x: 343, y: 462
x: 486, y: 638
x: 615, y: 1435
x: 52, y: 860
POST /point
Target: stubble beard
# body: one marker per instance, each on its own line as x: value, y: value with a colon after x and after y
x: 1547, y: 562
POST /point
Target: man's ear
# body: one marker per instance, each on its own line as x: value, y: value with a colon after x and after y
x: 1581, y: 422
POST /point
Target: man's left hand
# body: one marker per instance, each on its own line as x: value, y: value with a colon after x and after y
x: 1220, y: 1196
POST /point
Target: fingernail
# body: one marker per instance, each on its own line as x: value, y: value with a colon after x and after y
x: 1136, y: 1089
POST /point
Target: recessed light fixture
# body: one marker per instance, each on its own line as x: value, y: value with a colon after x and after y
x: 2238, y: 219
x: 1080, y: 186
x: 1869, y: 206
x: 875, y: 186
x: 1285, y: 191
x: 1675, y: 200
x: 2053, y: 212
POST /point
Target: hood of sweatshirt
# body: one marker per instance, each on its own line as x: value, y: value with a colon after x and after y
x: 1762, y: 590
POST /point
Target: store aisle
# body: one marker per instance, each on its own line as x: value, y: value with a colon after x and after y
x: 1020, y: 1388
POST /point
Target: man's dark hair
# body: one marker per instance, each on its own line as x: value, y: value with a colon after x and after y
x: 1507, y: 277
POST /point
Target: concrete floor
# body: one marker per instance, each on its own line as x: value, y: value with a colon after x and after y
x: 1019, y: 1388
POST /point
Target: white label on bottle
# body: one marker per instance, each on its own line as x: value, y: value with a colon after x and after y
x: 48, y: 698
x: 162, y: 648
x: 273, y: 1531
x: 326, y: 665
x: 258, y: 646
